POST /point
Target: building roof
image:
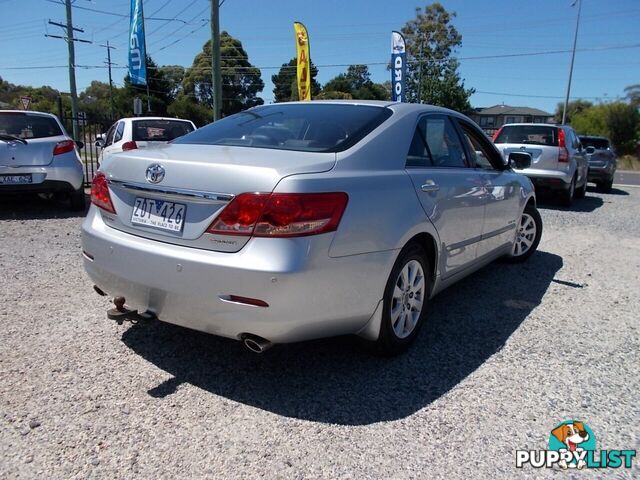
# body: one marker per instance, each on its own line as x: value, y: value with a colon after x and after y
x: 508, y: 110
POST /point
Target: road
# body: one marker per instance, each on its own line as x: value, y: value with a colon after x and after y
x: 506, y: 355
x: 626, y: 178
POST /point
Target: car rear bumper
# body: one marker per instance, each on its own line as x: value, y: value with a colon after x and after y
x: 62, y: 175
x: 601, y: 173
x: 549, y: 179
x: 309, y: 294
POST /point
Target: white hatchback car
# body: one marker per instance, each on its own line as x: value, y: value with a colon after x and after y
x: 141, y: 132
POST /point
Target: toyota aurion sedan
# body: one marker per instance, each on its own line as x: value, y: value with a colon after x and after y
x: 296, y: 221
x: 37, y: 155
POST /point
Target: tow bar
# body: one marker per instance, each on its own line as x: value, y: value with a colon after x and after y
x: 123, y: 314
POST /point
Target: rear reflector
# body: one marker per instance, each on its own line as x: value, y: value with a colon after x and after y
x: 254, y: 302
x: 129, y: 146
x: 100, y: 195
x: 64, y: 146
x: 281, y: 214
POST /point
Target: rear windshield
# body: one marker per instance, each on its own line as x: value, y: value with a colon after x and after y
x: 159, y: 130
x: 597, y: 143
x: 308, y: 128
x: 28, y: 126
x: 529, y: 134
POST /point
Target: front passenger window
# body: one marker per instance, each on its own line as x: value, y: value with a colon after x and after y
x: 443, y: 143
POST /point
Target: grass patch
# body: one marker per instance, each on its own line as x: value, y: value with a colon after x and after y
x: 629, y: 162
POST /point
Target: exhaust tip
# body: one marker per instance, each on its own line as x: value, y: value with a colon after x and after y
x: 256, y: 344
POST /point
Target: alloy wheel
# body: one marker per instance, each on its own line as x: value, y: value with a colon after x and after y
x: 408, y: 299
x: 525, y: 236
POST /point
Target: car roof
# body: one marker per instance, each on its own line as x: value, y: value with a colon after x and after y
x: 528, y: 124
x: 594, y: 137
x: 30, y: 112
x: 400, y: 107
x: 153, y: 118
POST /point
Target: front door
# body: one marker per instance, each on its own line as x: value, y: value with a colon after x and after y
x: 451, y: 193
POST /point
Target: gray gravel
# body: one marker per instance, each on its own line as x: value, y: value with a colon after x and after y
x: 508, y: 353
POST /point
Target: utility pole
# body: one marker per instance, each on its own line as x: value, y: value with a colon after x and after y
x: 573, y: 56
x: 216, y: 76
x: 109, y: 63
x: 69, y: 38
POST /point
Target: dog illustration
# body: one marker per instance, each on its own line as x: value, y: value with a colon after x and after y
x: 572, y: 435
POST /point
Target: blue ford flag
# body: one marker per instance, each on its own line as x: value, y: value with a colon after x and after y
x: 398, y: 67
x: 137, y: 51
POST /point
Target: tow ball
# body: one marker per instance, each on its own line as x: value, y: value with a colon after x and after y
x: 123, y: 314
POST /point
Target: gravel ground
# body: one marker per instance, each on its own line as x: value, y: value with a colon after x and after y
x: 508, y: 353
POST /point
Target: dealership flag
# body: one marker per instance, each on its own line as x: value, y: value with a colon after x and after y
x: 398, y: 67
x: 137, y: 50
x: 303, y: 74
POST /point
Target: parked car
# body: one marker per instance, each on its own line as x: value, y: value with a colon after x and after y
x: 603, y: 161
x: 142, y: 132
x: 301, y: 220
x: 37, y: 155
x: 559, y: 162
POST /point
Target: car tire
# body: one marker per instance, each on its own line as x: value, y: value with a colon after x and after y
x: 77, y: 200
x: 528, y: 234
x: 566, y: 196
x: 405, y: 301
x: 582, y: 191
x: 605, y: 187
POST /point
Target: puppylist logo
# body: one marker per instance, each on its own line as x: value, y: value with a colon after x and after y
x: 572, y: 445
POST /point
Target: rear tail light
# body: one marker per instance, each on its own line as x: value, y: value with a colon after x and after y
x: 563, y: 154
x: 129, y: 146
x: 280, y: 214
x: 100, y: 195
x: 64, y: 146
x: 495, y: 135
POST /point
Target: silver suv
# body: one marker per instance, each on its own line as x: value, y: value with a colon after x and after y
x: 558, y: 160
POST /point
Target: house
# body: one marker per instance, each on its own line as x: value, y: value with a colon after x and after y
x: 492, y: 118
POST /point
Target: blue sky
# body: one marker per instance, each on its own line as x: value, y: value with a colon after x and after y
x: 347, y: 32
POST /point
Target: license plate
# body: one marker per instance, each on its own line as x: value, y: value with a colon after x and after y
x: 15, y: 179
x: 158, y: 214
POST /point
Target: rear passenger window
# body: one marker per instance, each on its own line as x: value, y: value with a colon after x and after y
x: 435, y: 143
x: 119, y: 131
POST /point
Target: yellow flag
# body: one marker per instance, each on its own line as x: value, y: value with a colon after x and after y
x: 304, y: 64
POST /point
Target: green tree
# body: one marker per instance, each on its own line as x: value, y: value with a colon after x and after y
x: 619, y: 121
x: 173, y: 75
x: 285, y: 88
x: 573, y: 108
x: 159, y: 92
x: 589, y: 119
x: 185, y: 106
x: 432, y: 73
x: 241, y: 81
x: 356, y: 84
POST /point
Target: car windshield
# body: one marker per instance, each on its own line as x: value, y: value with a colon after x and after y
x: 597, y: 143
x: 311, y: 127
x: 159, y: 130
x: 25, y: 126
x: 529, y: 134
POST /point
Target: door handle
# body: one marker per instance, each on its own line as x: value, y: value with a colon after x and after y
x: 430, y: 186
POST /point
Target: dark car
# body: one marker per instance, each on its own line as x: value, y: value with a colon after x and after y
x: 603, y: 161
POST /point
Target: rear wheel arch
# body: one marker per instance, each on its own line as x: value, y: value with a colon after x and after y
x: 429, y: 245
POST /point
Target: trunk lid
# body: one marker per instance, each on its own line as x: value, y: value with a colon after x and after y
x: 36, y: 152
x: 539, y: 140
x: 198, y: 182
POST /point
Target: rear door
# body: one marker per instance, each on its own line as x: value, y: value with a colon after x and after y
x: 28, y: 139
x: 451, y: 193
x: 540, y: 141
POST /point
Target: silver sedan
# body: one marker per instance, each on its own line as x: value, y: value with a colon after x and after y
x: 296, y: 221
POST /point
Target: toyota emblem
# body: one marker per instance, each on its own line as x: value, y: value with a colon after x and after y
x: 155, y: 173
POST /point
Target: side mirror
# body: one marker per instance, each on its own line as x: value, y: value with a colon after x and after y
x: 80, y: 144
x: 519, y: 160
x: 591, y: 149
